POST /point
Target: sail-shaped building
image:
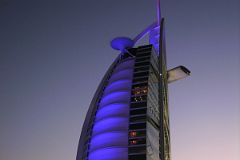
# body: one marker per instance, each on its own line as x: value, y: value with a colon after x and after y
x: 128, y: 118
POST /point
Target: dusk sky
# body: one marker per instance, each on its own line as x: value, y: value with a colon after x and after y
x: 53, y: 54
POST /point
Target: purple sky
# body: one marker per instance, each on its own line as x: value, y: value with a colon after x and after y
x: 53, y: 55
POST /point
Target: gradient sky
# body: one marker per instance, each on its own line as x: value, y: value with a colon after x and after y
x: 53, y: 54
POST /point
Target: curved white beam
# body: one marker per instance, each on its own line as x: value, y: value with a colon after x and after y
x: 144, y: 32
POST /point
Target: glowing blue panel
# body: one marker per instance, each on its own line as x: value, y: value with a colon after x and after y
x: 124, y: 74
x: 112, y: 153
x: 113, y: 110
x: 109, y: 139
x: 122, y: 43
x: 111, y: 124
x: 115, y: 97
x: 118, y: 85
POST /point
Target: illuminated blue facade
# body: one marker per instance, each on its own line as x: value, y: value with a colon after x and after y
x: 105, y: 132
x: 123, y: 121
x: 128, y: 118
x: 109, y: 137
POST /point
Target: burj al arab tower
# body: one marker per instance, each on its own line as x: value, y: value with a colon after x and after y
x: 128, y: 118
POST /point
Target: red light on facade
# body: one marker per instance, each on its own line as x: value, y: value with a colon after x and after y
x: 133, y: 134
x: 133, y: 142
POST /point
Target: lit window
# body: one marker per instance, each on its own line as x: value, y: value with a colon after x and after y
x: 136, y: 99
x: 132, y: 142
x: 140, y: 90
x: 133, y: 134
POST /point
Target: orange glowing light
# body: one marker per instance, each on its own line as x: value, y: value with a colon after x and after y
x: 133, y: 134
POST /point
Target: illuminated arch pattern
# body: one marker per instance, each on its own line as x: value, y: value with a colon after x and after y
x: 109, y: 140
x: 109, y: 112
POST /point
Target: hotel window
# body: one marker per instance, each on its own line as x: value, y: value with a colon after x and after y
x: 137, y: 133
x: 145, y: 58
x: 133, y: 134
x: 141, y: 74
x: 137, y: 157
x: 143, y: 52
x: 138, y: 119
x: 139, y: 149
x: 140, y: 85
x: 139, y: 98
x: 137, y: 141
x: 139, y: 90
x: 139, y: 69
x: 133, y: 142
x: 137, y: 126
x: 140, y: 80
x: 139, y: 105
x: 138, y: 111
x: 142, y: 64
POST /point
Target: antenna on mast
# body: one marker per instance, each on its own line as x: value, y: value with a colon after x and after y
x: 153, y: 30
x: 158, y: 12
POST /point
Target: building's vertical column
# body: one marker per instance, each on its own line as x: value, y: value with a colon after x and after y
x: 153, y: 124
x: 138, y: 106
x: 164, y: 113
